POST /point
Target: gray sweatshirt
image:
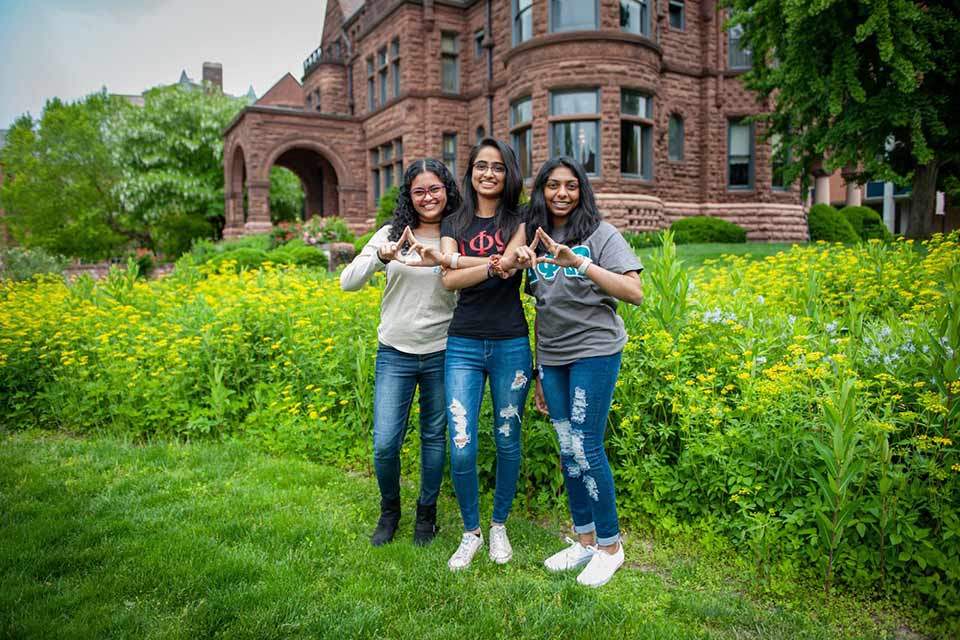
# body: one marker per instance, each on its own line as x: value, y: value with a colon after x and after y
x: 415, y: 309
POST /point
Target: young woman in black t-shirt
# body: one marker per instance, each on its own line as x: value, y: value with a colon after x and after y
x: 487, y: 339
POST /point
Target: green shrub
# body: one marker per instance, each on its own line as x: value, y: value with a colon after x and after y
x: 301, y: 254
x: 867, y: 223
x: 702, y: 229
x: 174, y: 235
x: 827, y: 224
x: 17, y: 263
x: 643, y: 239
x: 244, y: 257
x: 386, y: 205
x: 362, y: 241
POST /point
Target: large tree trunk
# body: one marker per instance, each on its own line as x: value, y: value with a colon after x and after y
x: 923, y: 200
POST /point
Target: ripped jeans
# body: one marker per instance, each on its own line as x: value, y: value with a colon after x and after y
x: 579, y: 396
x: 470, y: 362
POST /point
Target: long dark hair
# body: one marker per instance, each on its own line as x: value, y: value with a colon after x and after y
x: 507, y: 217
x: 582, y: 221
x: 405, y: 214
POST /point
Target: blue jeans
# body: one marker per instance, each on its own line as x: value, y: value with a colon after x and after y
x: 397, y: 377
x: 507, y: 363
x: 578, y: 396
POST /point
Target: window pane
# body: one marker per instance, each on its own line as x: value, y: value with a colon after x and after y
x: 371, y: 98
x: 523, y: 145
x: 387, y: 177
x: 382, y: 57
x: 739, y: 139
x: 676, y: 14
x: 636, y: 104
x: 675, y: 145
x: 449, y: 73
x: 395, y: 49
x: 398, y: 147
x: 383, y: 86
x: 448, y: 43
x: 396, y: 79
x: 579, y: 140
x: 523, y: 23
x: 740, y: 58
x: 375, y: 181
x: 570, y: 15
x: 573, y: 103
x: 633, y: 16
x: 369, y: 66
x: 450, y: 152
x: 387, y: 152
x: 521, y: 111
x: 740, y: 155
x: 478, y: 43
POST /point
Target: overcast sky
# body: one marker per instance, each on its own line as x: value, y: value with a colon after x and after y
x: 69, y: 48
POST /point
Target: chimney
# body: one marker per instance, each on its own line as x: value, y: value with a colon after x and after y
x: 213, y: 74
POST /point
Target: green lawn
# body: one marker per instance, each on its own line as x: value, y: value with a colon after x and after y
x: 694, y: 255
x: 102, y: 538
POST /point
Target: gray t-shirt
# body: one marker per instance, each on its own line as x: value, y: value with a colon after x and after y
x: 575, y: 318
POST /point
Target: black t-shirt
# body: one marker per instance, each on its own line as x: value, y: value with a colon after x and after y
x: 490, y: 309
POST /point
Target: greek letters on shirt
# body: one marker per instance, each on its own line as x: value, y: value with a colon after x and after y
x: 549, y: 271
x: 483, y: 244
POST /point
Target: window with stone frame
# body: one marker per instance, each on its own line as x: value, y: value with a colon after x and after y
x: 386, y: 161
x: 575, y: 127
x: 521, y: 133
x: 675, y: 138
x: 636, y: 134
x: 395, y: 65
x: 478, y: 37
x: 779, y: 158
x: 738, y: 56
x: 382, y: 73
x: 635, y: 16
x: 450, y: 62
x: 448, y: 152
x: 522, y: 21
x: 677, y: 19
x: 573, y: 15
x: 740, y: 150
x: 371, y: 84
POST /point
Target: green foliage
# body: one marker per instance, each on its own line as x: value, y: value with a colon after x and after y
x: 703, y: 229
x: 892, y: 73
x: 386, y: 205
x: 866, y: 223
x: 643, y: 239
x: 18, y: 263
x: 719, y: 430
x: 362, y: 241
x: 170, y: 153
x: 322, y: 230
x: 826, y: 223
x: 286, y: 195
x: 59, y: 180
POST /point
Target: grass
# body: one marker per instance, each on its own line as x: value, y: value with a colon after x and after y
x: 104, y: 538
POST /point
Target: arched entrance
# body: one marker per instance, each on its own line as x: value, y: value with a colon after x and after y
x: 235, y: 211
x: 318, y: 178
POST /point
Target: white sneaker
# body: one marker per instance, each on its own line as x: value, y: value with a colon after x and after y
x: 574, y: 556
x: 601, y: 567
x: 463, y: 556
x: 500, y: 549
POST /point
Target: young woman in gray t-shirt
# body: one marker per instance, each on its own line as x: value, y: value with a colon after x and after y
x: 578, y: 267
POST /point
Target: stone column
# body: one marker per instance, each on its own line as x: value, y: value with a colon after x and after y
x: 889, y: 207
x: 853, y: 189
x: 258, y: 220
x: 821, y: 188
x: 233, y: 213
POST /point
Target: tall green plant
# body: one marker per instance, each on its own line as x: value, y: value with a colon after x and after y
x: 671, y: 283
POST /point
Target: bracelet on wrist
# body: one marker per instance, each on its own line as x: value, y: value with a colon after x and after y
x: 454, y: 260
x: 582, y: 269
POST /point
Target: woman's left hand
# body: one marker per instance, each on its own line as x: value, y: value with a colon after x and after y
x: 562, y: 254
x: 424, y: 256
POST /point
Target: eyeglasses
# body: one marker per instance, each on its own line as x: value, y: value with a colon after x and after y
x: 434, y: 190
x: 497, y: 167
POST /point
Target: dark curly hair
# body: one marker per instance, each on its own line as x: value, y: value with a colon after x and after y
x: 404, y: 214
x: 583, y: 220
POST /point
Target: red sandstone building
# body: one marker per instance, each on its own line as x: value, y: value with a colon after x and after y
x: 643, y: 92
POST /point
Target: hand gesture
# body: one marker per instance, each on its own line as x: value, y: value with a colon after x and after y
x: 394, y: 250
x: 562, y: 254
x: 425, y: 256
x: 522, y: 257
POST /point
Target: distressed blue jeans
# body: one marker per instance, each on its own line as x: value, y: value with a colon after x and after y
x: 579, y: 396
x: 397, y: 376
x: 470, y: 363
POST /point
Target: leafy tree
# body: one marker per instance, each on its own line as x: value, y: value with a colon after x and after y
x: 286, y: 195
x: 171, y: 157
x: 869, y: 83
x: 59, y: 180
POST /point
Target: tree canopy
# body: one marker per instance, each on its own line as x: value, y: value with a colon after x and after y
x: 871, y: 84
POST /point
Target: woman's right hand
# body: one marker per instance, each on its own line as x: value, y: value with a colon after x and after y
x: 539, y: 400
x: 391, y: 250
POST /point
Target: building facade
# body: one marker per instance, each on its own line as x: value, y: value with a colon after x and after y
x: 643, y: 92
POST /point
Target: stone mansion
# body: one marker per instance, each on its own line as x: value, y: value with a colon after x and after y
x: 645, y: 93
